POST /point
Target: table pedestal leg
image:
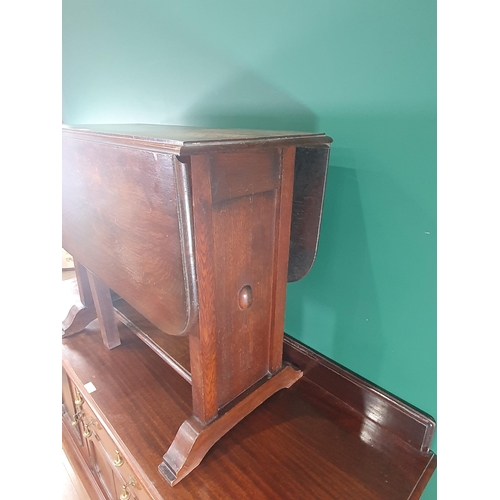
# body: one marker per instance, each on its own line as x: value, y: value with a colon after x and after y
x: 84, y: 312
x: 105, y: 311
x: 193, y: 439
x: 95, y: 302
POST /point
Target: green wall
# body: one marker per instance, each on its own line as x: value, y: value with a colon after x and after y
x: 363, y: 72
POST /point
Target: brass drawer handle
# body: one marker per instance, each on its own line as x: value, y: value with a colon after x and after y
x: 79, y: 400
x: 125, y: 493
x: 118, y: 462
x: 86, y: 430
x: 76, y: 418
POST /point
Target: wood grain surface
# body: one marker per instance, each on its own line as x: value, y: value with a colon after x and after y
x: 121, y: 221
x: 303, y: 442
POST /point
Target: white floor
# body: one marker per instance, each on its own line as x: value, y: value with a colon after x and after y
x: 72, y: 487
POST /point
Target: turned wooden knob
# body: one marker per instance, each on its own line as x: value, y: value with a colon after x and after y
x: 245, y: 297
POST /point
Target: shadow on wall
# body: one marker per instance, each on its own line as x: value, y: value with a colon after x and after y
x: 337, y: 302
x: 247, y: 101
x: 369, y: 300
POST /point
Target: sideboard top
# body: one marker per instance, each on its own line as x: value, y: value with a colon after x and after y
x: 190, y: 140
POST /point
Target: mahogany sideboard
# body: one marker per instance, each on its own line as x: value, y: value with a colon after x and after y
x: 199, y: 230
x: 331, y: 436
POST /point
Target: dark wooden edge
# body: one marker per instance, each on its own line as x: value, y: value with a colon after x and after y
x: 424, y: 479
x: 400, y: 418
x: 310, y: 173
x: 186, y: 224
x: 80, y: 466
x: 195, y: 148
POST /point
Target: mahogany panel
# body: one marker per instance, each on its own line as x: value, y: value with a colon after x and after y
x: 308, y: 191
x: 203, y: 346
x: 237, y: 174
x: 368, y: 400
x: 120, y: 205
x: 251, y: 211
x: 281, y: 256
x: 243, y: 243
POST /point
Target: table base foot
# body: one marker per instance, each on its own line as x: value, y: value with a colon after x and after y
x: 194, y: 440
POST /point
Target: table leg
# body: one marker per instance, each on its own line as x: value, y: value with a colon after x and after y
x: 101, y: 296
x: 95, y: 303
x: 194, y: 440
x: 84, y: 312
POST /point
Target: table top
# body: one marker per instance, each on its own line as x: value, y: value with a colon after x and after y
x: 192, y: 138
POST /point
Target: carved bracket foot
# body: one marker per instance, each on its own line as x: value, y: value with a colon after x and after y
x: 194, y: 440
x: 78, y: 318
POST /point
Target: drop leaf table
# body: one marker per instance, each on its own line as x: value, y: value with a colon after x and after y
x: 197, y: 231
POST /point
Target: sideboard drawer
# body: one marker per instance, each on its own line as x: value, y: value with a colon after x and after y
x: 71, y: 408
x: 113, y: 485
x: 106, y: 447
x: 114, y: 477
